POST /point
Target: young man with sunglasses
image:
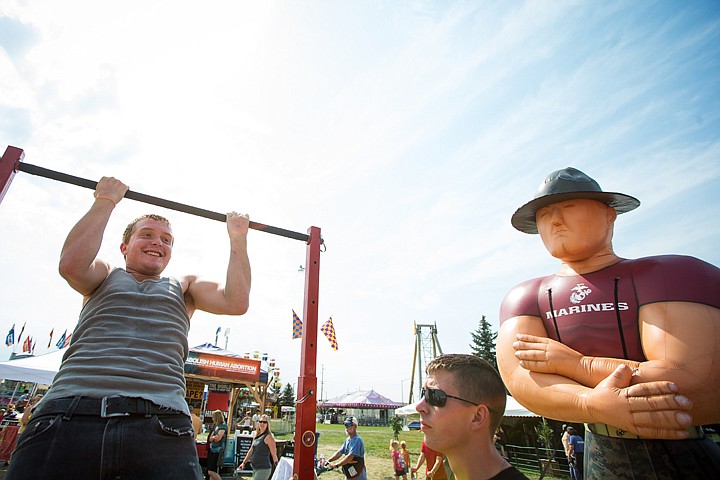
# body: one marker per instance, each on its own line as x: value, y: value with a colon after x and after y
x: 462, y: 404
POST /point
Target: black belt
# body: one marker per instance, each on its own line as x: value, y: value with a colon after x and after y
x: 102, y: 407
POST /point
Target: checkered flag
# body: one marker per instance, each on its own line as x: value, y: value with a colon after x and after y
x: 329, y: 332
x: 297, y: 326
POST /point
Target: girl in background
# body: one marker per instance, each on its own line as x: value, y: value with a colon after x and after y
x: 406, y: 455
x: 398, y: 460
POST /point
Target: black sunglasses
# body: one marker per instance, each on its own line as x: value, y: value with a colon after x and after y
x: 262, y: 421
x: 438, y: 398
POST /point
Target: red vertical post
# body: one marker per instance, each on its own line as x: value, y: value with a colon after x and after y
x: 8, y: 167
x: 306, y: 407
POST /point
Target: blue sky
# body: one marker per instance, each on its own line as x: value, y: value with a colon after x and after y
x: 408, y: 131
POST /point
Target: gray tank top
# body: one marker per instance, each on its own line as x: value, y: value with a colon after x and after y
x: 261, y: 453
x: 130, y: 340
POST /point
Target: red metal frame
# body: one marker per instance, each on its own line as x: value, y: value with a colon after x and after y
x: 8, y: 167
x: 305, y: 431
x: 305, y: 410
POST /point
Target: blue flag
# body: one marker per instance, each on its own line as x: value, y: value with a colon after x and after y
x: 61, y: 343
x: 10, y: 339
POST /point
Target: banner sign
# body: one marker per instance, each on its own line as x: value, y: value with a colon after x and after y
x: 219, y: 387
x: 219, y: 366
x: 194, y: 389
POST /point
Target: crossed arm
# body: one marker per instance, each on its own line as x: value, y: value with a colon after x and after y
x: 681, y: 343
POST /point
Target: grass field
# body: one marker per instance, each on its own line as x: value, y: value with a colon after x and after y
x: 377, y: 449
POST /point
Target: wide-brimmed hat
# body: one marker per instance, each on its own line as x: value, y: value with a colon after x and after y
x: 568, y: 184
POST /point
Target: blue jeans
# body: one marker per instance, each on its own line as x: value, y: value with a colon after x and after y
x: 91, y: 447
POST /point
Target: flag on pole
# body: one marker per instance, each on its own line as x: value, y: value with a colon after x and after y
x: 217, y: 332
x: 27, y: 344
x: 329, y: 332
x: 61, y: 343
x: 51, y: 334
x: 67, y: 341
x: 10, y: 339
x: 21, y: 332
x: 297, y: 326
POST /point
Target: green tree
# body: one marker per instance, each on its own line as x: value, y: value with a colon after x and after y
x: 287, y: 397
x: 545, y: 435
x: 483, y: 342
x: 396, y: 425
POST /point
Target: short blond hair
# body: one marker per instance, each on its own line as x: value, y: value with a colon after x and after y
x: 131, y: 226
x: 476, y: 380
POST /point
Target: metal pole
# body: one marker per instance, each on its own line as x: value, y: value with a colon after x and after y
x: 12, y: 162
x: 306, y: 404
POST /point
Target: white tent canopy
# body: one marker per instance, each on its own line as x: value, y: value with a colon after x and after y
x: 512, y: 409
x: 39, y: 369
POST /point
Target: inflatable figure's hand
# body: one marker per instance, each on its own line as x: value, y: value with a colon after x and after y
x: 544, y: 355
x: 651, y: 410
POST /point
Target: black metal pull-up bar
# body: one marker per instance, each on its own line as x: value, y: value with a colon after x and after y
x: 160, y: 202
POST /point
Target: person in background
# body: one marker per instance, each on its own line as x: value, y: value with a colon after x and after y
x: 351, y: 454
x: 398, y: 460
x: 23, y: 400
x: 10, y: 414
x: 197, y: 422
x: 565, y: 439
x: 120, y: 390
x: 624, y: 345
x: 497, y: 440
x: 263, y: 451
x: 27, y: 414
x: 575, y: 458
x: 406, y: 455
x: 245, y: 423
x: 461, y: 406
x: 218, y: 440
x: 434, y: 468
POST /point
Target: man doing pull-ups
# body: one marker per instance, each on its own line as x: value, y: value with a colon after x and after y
x: 117, y: 408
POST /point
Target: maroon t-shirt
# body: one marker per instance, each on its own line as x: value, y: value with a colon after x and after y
x: 586, y: 307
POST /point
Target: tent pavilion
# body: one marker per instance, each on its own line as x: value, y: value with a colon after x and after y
x: 33, y: 369
x: 368, y: 406
x: 218, y: 367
